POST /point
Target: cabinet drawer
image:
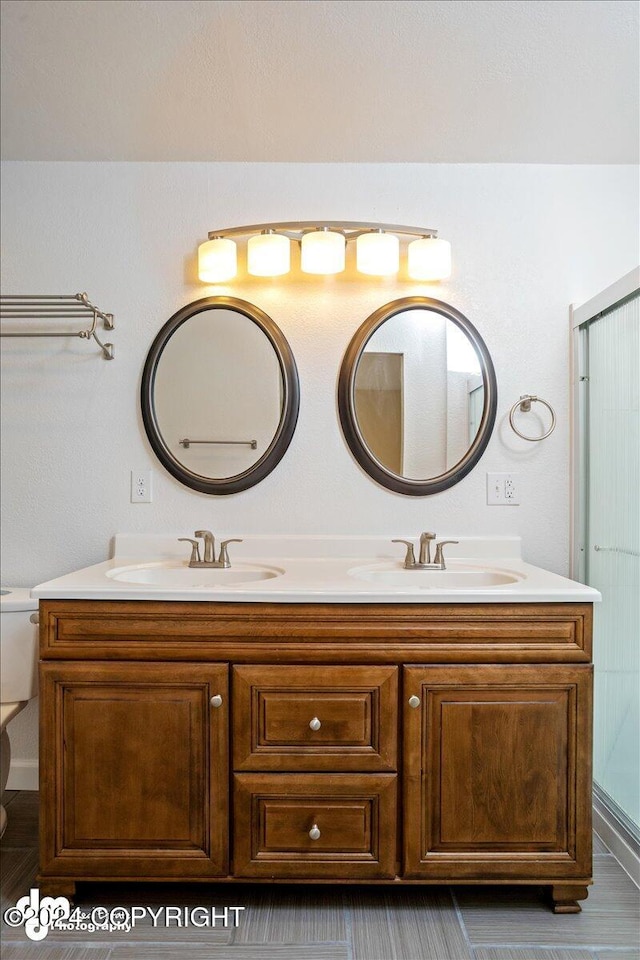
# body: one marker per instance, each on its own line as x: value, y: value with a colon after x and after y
x: 315, y: 825
x: 315, y: 718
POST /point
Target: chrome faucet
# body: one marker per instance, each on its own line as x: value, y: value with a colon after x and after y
x: 424, y: 561
x: 209, y: 545
x: 209, y: 550
x: 425, y: 548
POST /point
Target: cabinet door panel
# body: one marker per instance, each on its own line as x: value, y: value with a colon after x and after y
x: 497, y: 763
x: 141, y: 779
x: 506, y: 786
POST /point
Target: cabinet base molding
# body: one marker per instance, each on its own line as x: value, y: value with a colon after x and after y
x: 563, y: 897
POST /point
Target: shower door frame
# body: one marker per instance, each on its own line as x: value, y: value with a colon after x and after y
x: 606, y: 820
x: 579, y: 317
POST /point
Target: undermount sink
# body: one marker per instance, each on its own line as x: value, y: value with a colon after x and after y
x: 453, y: 578
x: 176, y: 575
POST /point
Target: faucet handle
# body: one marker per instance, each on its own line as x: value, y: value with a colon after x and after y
x: 439, y: 557
x: 195, y: 549
x: 224, y: 556
x: 410, y: 557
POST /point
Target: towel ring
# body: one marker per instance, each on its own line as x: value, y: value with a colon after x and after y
x: 524, y: 404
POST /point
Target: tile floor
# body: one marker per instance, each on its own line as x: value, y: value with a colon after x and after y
x: 306, y: 922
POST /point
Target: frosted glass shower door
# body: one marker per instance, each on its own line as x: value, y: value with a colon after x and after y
x: 610, y: 350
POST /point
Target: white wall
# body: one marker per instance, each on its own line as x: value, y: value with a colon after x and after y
x: 527, y: 241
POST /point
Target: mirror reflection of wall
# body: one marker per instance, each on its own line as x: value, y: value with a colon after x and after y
x: 418, y: 394
x: 220, y: 395
x: 465, y: 394
x: 218, y: 379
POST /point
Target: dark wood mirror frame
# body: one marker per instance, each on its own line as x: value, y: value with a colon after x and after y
x: 349, y: 420
x: 290, y: 399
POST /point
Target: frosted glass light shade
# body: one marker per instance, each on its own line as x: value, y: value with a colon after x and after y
x: 378, y: 254
x: 429, y: 259
x: 217, y: 260
x: 322, y: 251
x: 268, y: 255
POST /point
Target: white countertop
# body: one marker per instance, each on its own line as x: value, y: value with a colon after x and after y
x: 319, y: 570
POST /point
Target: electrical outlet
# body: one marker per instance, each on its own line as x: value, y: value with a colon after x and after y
x: 141, y: 486
x: 503, y: 489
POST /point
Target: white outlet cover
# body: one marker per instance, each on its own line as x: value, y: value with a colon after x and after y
x: 503, y: 489
x: 141, y: 489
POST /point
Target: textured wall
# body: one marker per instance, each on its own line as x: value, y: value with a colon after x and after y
x: 527, y: 241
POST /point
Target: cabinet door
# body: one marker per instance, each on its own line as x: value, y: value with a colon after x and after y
x: 134, y: 770
x: 497, y: 772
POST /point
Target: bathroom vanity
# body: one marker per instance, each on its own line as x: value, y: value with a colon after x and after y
x: 317, y: 725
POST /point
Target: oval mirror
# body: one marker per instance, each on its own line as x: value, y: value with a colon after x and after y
x: 220, y: 395
x: 417, y: 396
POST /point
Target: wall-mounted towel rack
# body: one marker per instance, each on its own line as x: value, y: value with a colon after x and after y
x: 524, y: 404
x: 628, y: 553
x: 186, y: 443
x: 75, y: 307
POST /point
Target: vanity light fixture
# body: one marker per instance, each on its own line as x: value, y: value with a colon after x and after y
x: 378, y: 253
x: 268, y: 254
x: 429, y: 258
x: 323, y: 249
x: 217, y: 259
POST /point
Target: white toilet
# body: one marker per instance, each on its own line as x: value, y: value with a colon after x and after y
x: 18, y: 667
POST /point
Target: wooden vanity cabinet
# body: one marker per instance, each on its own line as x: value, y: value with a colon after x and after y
x: 357, y: 743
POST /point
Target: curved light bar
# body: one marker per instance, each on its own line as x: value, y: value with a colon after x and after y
x: 323, y: 245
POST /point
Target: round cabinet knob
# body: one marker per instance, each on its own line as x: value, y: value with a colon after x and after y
x: 414, y: 702
x: 216, y: 701
x: 34, y: 618
x: 314, y: 833
x: 315, y: 724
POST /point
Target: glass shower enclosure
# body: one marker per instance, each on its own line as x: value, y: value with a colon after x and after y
x: 606, y: 533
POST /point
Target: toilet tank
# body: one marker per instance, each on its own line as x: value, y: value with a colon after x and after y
x: 18, y: 646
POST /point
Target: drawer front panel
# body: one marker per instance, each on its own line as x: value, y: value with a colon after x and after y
x: 345, y: 826
x: 315, y: 825
x: 315, y: 718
